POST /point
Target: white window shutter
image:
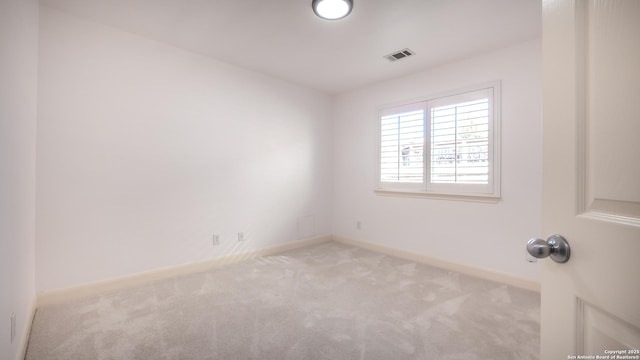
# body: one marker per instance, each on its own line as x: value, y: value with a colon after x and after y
x: 446, y: 145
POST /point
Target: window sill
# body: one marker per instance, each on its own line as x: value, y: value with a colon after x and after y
x: 439, y: 196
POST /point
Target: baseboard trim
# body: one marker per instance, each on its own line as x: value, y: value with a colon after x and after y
x: 120, y: 283
x: 124, y: 282
x: 483, y: 273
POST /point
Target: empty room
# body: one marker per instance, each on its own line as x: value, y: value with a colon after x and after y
x: 319, y: 179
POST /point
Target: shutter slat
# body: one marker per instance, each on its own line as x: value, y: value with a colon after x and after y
x: 401, y: 140
x: 459, y: 143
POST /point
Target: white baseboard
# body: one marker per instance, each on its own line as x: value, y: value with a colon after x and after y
x: 483, y: 273
x: 128, y: 281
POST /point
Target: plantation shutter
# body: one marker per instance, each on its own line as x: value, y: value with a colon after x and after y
x: 447, y: 145
x: 402, y: 144
x: 460, y: 138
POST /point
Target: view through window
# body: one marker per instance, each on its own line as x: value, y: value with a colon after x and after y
x: 443, y: 145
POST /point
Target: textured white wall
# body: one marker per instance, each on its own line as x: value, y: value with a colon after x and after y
x: 492, y: 236
x: 146, y: 150
x: 18, y: 91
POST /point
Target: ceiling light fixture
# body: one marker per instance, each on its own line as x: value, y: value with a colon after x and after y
x: 332, y: 9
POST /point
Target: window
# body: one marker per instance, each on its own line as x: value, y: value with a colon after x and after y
x: 447, y: 145
x: 401, y: 145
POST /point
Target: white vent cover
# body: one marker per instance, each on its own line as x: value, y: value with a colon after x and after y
x: 400, y: 54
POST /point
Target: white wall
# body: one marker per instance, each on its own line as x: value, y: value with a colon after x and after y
x: 146, y: 150
x: 491, y: 236
x: 18, y: 91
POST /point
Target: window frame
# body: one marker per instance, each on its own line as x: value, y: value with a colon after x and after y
x: 455, y: 191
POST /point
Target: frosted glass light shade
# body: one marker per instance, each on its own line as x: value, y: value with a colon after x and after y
x: 332, y: 9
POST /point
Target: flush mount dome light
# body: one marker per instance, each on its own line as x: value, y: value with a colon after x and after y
x: 332, y: 9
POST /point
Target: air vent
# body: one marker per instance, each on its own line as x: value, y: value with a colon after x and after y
x: 401, y: 54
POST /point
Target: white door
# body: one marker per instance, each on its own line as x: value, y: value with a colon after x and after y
x: 591, y: 178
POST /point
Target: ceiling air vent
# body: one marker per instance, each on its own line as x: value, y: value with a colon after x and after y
x: 400, y: 54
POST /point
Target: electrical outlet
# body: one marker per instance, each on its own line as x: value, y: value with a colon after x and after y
x: 216, y: 239
x: 13, y: 327
x: 241, y: 236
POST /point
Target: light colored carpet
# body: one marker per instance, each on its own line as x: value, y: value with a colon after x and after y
x: 328, y: 301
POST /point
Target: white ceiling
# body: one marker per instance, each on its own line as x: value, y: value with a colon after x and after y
x: 283, y: 38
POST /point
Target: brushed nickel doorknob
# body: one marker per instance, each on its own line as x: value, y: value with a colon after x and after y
x: 556, y: 247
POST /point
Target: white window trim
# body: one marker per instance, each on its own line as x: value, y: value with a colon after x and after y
x: 465, y: 192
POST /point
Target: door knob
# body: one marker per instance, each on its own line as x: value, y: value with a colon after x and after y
x: 556, y: 247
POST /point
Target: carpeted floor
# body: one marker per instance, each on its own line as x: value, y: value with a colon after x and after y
x: 329, y: 301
